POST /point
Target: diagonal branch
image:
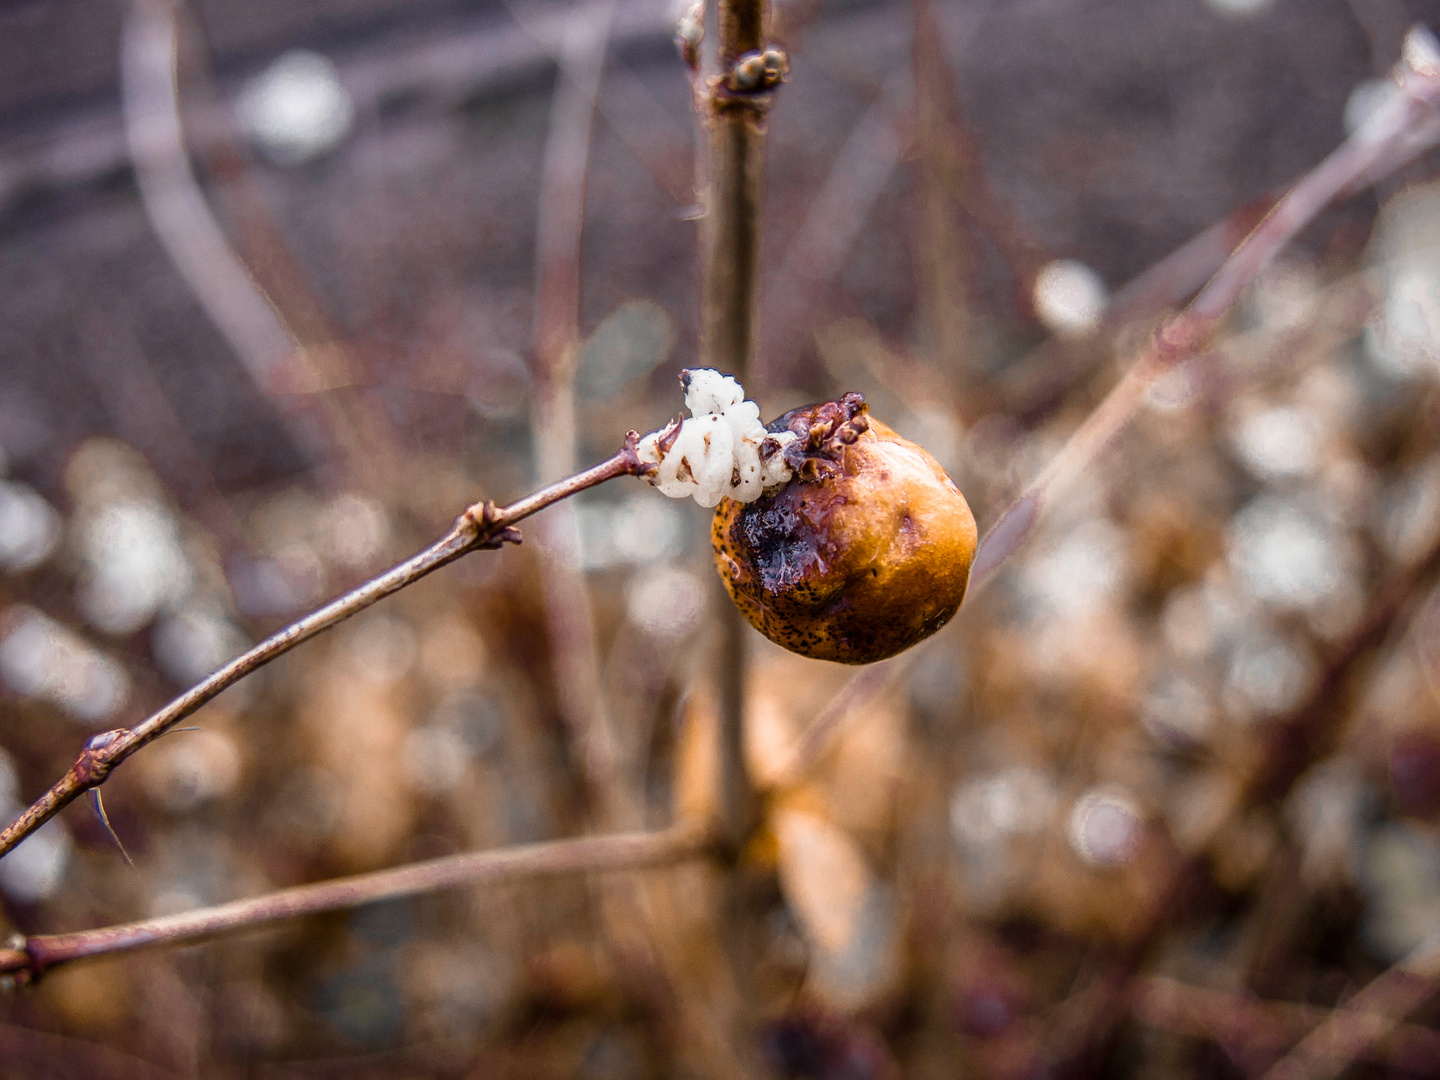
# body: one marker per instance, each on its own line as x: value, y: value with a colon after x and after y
x: 1252, y: 1026
x: 1407, y: 125
x: 34, y: 956
x: 833, y: 221
x: 1369, y: 1017
x: 483, y: 525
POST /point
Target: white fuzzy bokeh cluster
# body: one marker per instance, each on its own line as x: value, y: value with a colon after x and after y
x: 716, y: 453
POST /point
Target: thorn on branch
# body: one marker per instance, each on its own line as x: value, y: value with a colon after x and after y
x: 17, y: 965
x: 97, y: 804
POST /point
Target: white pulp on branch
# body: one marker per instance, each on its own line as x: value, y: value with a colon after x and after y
x: 722, y: 450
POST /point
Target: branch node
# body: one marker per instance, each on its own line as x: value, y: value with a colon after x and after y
x: 19, y: 966
x: 1180, y: 336
x: 93, y: 764
x: 751, y: 81
x: 484, y: 522
x: 630, y: 453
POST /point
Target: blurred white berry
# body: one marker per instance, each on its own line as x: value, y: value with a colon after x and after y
x: 1105, y: 827
x: 1069, y: 298
x: 296, y: 109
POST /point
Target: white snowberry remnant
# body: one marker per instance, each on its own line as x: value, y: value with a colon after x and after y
x: 723, y: 449
x: 1070, y: 298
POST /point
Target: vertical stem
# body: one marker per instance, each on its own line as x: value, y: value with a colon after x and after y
x: 739, y: 810
x: 561, y: 217
x: 731, y: 266
x: 732, y: 242
x: 742, y: 28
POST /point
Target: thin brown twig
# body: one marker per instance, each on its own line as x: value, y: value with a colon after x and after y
x: 646, y: 128
x: 483, y: 525
x: 857, y: 178
x: 561, y: 212
x: 323, y: 361
x: 438, y: 71
x: 1406, y: 126
x: 1038, y: 380
x: 589, y: 854
x: 958, y: 204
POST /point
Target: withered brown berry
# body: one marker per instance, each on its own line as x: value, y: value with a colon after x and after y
x: 863, y: 553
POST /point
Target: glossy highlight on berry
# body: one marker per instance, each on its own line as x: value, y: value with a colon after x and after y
x: 863, y: 553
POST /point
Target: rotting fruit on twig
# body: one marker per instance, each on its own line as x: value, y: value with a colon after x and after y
x: 835, y: 537
x: 864, y: 552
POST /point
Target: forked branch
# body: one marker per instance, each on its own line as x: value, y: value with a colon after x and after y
x: 483, y: 525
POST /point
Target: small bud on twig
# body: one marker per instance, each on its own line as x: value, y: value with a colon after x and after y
x: 690, y: 32
x: 759, y: 70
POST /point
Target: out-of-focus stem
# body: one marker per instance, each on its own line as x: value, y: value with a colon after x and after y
x: 1368, y: 1018
x: 1260, y: 1026
x: 732, y: 242
x: 34, y: 956
x: 174, y: 203
x: 818, y: 251
x: 560, y: 222
x: 281, y: 355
